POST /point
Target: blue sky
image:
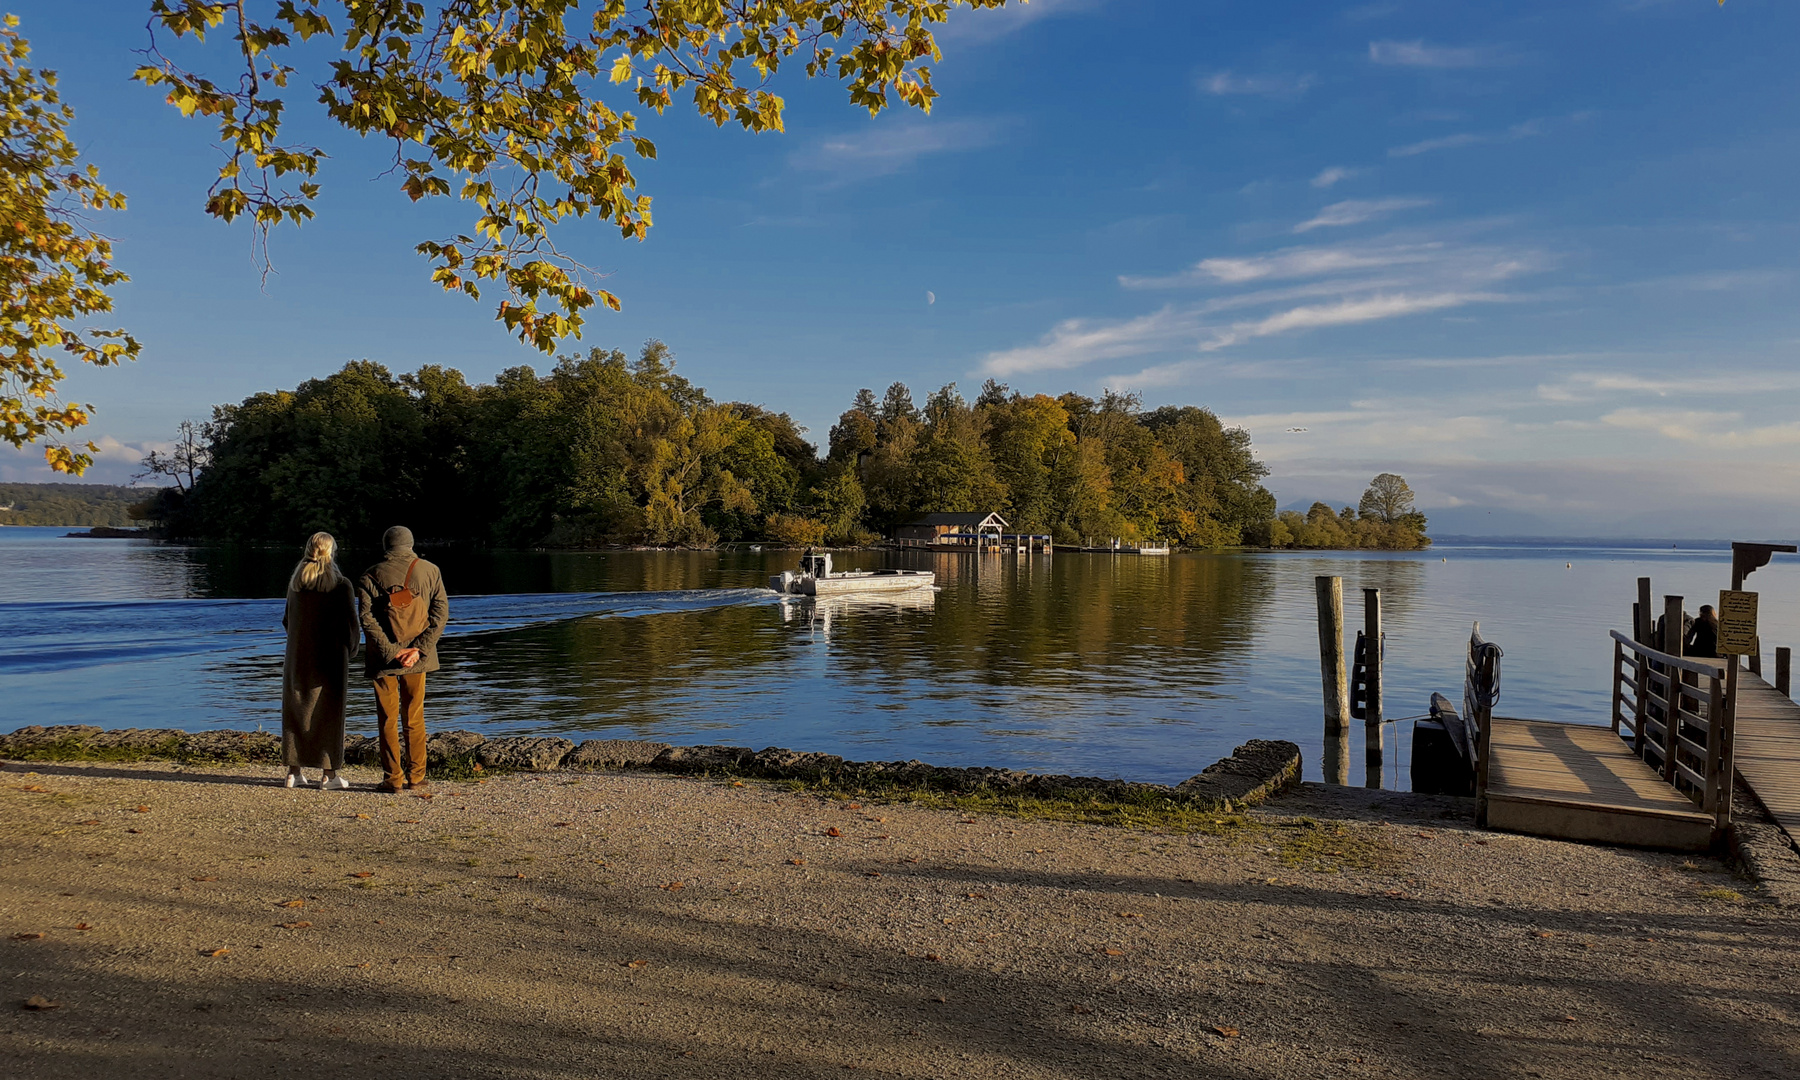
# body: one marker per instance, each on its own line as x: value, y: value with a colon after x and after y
x: 1540, y: 258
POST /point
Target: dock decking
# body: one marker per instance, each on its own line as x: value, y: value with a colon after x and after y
x: 1768, y: 749
x: 1581, y: 782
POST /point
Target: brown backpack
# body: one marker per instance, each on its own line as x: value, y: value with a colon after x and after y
x: 405, y: 615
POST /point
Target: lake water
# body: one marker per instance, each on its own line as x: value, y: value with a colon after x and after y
x: 1147, y: 668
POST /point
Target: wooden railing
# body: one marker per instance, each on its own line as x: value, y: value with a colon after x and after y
x: 1678, y: 711
x: 1481, y: 692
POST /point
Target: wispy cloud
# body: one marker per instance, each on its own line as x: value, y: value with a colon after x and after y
x: 1716, y: 429
x: 976, y: 27
x: 1332, y: 175
x: 1076, y: 342
x: 1225, y: 83
x: 887, y: 149
x: 1419, y: 54
x: 1342, y: 313
x: 1357, y: 211
x: 1468, y: 138
x: 1287, y: 291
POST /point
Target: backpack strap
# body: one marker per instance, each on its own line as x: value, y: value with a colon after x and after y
x: 407, y: 584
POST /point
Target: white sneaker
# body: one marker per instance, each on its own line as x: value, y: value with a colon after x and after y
x: 333, y: 783
x: 295, y: 779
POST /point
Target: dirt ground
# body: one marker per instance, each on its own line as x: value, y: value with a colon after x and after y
x: 207, y: 922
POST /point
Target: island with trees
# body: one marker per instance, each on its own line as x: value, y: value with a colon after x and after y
x: 606, y: 449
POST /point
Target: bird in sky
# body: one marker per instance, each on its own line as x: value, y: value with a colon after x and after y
x: 1296, y: 429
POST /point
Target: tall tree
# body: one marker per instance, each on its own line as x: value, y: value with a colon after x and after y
x: 505, y: 104
x: 1388, y: 499
x: 54, y: 269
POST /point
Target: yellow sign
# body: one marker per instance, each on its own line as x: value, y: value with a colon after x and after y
x: 1737, y: 623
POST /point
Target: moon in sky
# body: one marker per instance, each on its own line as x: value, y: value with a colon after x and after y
x: 930, y: 298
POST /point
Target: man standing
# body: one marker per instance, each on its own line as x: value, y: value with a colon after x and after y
x: 401, y: 603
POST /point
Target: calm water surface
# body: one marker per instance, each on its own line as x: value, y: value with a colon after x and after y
x: 1142, y: 667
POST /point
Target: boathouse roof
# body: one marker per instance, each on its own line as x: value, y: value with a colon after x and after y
x: 968, y: 520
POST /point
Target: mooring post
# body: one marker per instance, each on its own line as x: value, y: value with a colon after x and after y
x: 1671, y: 644
x: 1644, y: 629
x: 1333, y: 673
x: 1372, y: 728
x: 1784, y: 658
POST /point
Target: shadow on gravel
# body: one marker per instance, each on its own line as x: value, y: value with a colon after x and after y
x: 274, y: 777
x: 544, y: 988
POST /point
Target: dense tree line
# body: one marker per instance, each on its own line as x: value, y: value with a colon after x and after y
x: 610, y: 449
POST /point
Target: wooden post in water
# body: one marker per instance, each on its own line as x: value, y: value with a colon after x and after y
x: 1645, y: 630
x: 1671, y: 644
x: 1334, y: 675
x: 1372, y: 728
x: 1784, y: 660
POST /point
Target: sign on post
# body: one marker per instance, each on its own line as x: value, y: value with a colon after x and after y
x: 1737, y: 622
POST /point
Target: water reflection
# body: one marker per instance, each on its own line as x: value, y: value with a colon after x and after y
x: 1144, y: 667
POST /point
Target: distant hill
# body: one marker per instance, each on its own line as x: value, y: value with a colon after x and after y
x: 69, y: 504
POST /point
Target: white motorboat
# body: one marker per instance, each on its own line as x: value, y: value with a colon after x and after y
x: 817, y: 579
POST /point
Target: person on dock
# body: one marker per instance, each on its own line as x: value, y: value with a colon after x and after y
x: 1703, y: 634
x: 315, y: 674
x: 403, y: 609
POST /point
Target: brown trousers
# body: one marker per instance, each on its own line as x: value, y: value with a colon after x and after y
x: 400, y: 703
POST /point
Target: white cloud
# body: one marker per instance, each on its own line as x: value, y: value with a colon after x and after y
x: 976, y: 27
x: 1077, y: 342
x: 890, y: 148
x: 1332, y: 175
x: 1711, y: 427
x: 1469, y: 138
x: 1225, y: 83
x: 1357, y: 211
x: 1343, y: 313
x: 1419, y: 54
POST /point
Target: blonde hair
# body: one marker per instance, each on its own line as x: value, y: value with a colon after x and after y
x: 318, y: 571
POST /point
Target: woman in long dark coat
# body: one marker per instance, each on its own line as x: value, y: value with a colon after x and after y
x: 315, y: 678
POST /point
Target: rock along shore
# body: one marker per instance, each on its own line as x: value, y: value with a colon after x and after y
x: 1255, y: 771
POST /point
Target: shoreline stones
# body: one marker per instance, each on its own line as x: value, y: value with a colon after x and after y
x: 1255, y: 771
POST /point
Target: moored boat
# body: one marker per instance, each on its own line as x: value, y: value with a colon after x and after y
x: 817, y: 579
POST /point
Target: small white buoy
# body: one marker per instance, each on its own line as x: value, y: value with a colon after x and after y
x: 1568, y: 566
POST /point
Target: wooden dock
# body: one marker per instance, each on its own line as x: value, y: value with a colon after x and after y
x: 1582, y: 782
x: 1768, y: 749
x: 1573, y: 781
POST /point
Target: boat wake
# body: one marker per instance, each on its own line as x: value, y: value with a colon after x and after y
x: 41, y: 637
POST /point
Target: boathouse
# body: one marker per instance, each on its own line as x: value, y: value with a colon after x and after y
x: 973, y: 531
x: 967, y: 532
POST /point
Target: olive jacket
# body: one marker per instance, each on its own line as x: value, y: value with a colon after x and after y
x: 379, y: 646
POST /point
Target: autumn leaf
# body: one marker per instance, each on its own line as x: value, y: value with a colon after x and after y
x: 976, y: 895
x: 1115, y: 952
x: 1131, y: 914
x: 205, y: 877
x: 214, y: 952
x: 1226, y: 1031
x: 143, y: 809
x: 634, y: 963
x: 39, y: 1003
x: 365, y: 817
x: 674, y: 885
x: 796, y: 862
x: 33, y: 787
x: 833, y: 831
x: 363, y: 874
x: 82, y: 926
x: 1081, y: 1010
x: 28, y: 937
x: 872, y: 873
x: 291, y: 903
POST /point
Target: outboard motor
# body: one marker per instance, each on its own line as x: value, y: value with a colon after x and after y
x: 783, y: 582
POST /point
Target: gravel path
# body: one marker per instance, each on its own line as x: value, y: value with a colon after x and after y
x: 205, y: 922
